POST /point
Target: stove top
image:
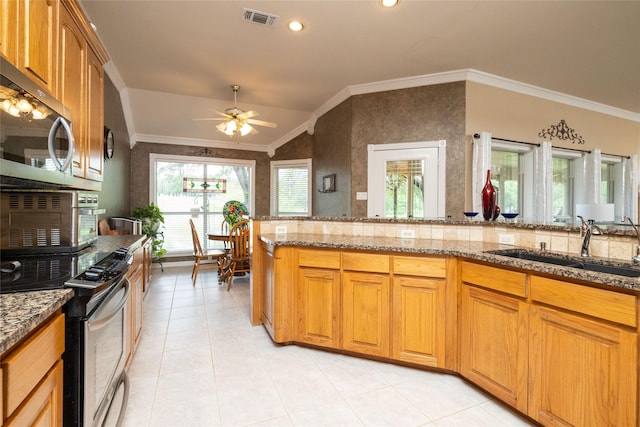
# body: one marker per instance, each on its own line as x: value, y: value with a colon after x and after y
x: 22, y: 273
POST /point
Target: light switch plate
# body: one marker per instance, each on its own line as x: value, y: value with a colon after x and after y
x: 361, y: 195
x: 281, y: 229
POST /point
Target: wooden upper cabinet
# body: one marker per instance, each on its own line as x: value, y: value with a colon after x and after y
x: 37, y: 41
x: 94, y: 157
x: 72, y: 71
x: 9, y: 30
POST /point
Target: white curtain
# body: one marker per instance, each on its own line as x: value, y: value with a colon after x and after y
x: 481, y: 163
x: 626, y: 189
x: 587, y: 176
x: 543, y: 183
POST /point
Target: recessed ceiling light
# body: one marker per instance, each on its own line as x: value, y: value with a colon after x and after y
x: 296, y: 26
x: 388, y: 3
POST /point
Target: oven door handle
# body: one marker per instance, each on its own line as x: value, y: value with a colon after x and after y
x: 99, y: 320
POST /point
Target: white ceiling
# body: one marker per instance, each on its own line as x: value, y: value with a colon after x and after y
x: 175, y: 60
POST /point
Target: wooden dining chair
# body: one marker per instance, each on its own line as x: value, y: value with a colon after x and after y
x: 238, y: 258
x: 199, y: 254
x: 104, y: 229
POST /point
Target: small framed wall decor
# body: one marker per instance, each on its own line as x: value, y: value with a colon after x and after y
x: 329, y: 183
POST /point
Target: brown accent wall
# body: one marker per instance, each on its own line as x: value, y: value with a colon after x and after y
x: 427, y: 113
x: 115, y: 186
x: 332, y: 155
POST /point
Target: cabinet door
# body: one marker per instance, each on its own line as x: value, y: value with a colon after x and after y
x: 37, y: 46
x: 493, y: 344
x: 72, y: 74
x: 267, y: 309
x: 9, y: 30
x: 419, y: 320
x: 318, y: 296
x: 365, y: 314
x: 43, y: 407
x: 94, y: 117
x: 583, y: 372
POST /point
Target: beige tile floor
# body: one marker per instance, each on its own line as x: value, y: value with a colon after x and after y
x: 201, y: 363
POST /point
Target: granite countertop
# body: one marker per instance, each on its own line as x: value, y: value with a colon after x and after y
x: 466, y: 249
x: 20, y: 313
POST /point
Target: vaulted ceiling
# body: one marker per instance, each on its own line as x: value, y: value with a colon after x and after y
x: 175, y: 60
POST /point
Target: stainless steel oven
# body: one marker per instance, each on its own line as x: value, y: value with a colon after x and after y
x: 96, y: 385
x: 96, y: 332
x: 48, y: 221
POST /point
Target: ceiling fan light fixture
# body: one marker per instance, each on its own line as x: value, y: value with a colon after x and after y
x: 245, y: 129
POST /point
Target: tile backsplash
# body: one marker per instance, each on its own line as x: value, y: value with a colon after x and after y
x: 618, y: 247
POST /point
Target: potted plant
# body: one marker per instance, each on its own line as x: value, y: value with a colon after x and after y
x: 152, y: 225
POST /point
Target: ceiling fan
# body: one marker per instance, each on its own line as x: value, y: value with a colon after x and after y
x: 237, y: 121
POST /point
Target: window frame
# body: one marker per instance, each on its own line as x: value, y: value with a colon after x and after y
x: 276, y: 165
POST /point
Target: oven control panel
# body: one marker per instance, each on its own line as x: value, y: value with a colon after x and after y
x: 108, y: 269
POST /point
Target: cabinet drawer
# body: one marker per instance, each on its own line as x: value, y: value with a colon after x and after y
x: 320, y: 259
x: 510, y: 282
x: 28, y: 364
x: 414, y: 266
x: 601, y: 303
x: 365, y: 262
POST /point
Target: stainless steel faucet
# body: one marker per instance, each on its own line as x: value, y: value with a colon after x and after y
x: 635, y: 259
x: 586, y: 230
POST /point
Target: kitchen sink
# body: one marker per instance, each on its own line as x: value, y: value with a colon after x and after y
x: 539, y: 257
x: 627, y: 270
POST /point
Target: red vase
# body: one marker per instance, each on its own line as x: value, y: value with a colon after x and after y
x: 488, y: 195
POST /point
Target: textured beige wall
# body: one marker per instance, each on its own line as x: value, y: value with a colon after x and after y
x: 520, y: 117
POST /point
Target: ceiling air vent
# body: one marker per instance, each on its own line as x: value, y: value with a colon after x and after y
x: 257, y: 17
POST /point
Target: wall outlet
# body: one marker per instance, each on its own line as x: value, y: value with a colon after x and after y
x: 506, y: 239
x: 281, y: 229
x: 407, y: 234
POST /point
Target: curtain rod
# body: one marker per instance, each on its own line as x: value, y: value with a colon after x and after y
x: 477, y: 135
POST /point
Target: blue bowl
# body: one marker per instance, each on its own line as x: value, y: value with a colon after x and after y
x: 509, y: 215
x: 470, y: 214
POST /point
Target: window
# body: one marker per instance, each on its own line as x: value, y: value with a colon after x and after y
x: 197, y: 188
x: 562, y: 189
x: 291, y: 188
x: 607, y: 183
x: 505, y: 177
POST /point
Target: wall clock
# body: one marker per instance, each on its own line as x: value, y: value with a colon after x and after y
x: 109, y: 143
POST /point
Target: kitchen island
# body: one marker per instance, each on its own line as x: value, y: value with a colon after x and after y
x: 517, y: 328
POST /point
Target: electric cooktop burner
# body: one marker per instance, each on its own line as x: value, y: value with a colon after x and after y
x: 42, y: 272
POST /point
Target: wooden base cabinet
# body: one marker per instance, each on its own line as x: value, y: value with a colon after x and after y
x: 32, y: 378
x: 276, y: 268
x: 318, y: 296
x: 583, y: 372
x: 493, y: 344
x: 365, y: 313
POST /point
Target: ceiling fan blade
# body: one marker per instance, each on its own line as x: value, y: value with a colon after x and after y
x: 212, y: 118
x: 262, y: 123
x: 248, y: 114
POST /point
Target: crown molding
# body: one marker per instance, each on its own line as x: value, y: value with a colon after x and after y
x: 286, y: 138
x: 550, y: 95
x: 174, y: 140
x: 467, y: 75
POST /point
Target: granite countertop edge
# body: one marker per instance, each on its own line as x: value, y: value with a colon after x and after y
x: 22, y: 312
x: 465, y: 249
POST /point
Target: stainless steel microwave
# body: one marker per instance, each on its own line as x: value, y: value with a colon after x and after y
x: 36, y: 141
